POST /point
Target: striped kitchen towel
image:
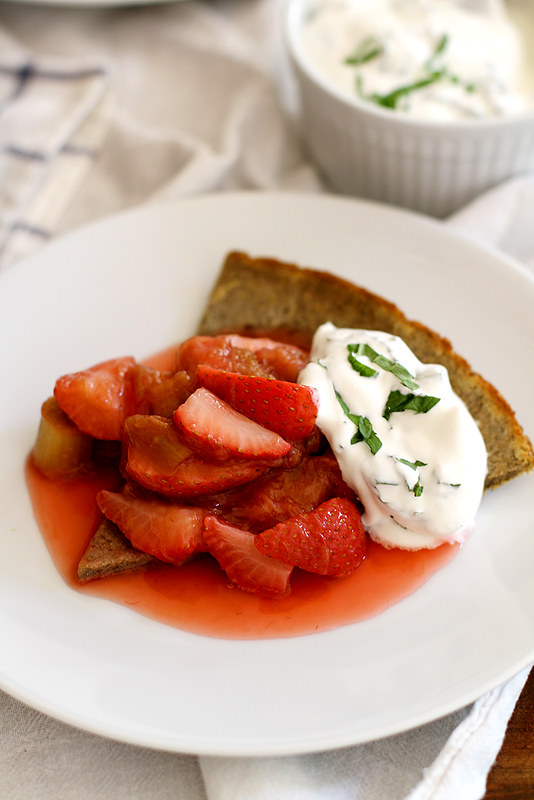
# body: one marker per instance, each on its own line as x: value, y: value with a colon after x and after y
x: 53, y: 119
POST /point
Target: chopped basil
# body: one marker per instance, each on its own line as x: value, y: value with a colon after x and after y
x: 431, y: 73
x: 344, y: 406
x: 368, y: 49
x: 364, y: 370
x: 396, y: 369
x: 397, y: 401
x: 391, y: 99
x: 441, y: 46
x: 396, y: 521
x: 364, y: 428
x: 417, y: 489
x: 412, y: 464
x: 365, y: 433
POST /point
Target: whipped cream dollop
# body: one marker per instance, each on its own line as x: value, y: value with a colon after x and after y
x: 450, y: 60
x: 405, y: 442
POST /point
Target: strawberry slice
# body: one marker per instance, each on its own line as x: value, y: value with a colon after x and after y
x: 158, y: 458
x: 329, y: 540
x: 211, y: 426
x: 98, y: 399
x: 289, y: 409
x: 167, y: 531
x: 238, y: 557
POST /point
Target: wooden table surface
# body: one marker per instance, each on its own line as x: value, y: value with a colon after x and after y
x: 512, y: 775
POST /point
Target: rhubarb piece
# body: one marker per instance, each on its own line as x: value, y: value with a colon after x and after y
x: 61, y: 449
x: 160, y: 460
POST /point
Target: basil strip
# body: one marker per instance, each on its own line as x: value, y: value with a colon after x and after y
x: 364, y: 370
x: 391, y: 99
x: 417, y: 489
x: 396, y: 369
x: 441, y: 45
x: 365, y: 433
x: 368, y: 49
x: 397, y: 401
x: 364, y: 428
x: 412, y: 464
x: 431, y: 73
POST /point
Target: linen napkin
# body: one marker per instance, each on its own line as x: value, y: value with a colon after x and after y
x: 201, y: 101
x: 52, y: 122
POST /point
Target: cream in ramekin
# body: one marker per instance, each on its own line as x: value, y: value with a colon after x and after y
x: 388, y: 153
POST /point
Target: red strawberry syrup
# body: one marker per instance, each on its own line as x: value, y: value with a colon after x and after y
x: 197, y: 598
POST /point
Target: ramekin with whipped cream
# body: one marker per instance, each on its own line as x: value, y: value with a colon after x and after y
x: 418, y: 104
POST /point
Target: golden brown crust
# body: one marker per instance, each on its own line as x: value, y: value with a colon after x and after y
x: 266, y: 293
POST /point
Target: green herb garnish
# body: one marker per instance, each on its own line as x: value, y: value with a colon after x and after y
x: 367, y: 50
x: 412, y: 464
x: 364, y: 428
x: 391, y: 99
x: 397, y: 401
x: 365, y: 433
x: 443, y: 42
x: 396, y: 369
x: 364, y: 370
x: 431, y: 73
x: 417, y: 489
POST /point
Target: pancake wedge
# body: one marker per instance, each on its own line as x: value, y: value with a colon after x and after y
x: 263, y: 293
x: 108, y: 553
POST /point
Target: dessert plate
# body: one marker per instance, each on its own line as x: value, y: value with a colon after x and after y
x: 136, y: 283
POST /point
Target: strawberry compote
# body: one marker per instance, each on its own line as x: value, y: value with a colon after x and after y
x: 198, y: 597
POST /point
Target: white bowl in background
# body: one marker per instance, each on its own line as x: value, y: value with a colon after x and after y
x: 368, y: 151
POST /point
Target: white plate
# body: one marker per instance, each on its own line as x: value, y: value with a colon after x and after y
x: 136, y: 283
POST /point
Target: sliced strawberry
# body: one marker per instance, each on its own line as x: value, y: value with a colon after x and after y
x: 98, y: 399
x: 289, y: 409
x: 158, y: 458
x: 213, y: 428
x: 282, y: 494
x: 329, y: 540
x: 247, y: 568
x: 167, y: 531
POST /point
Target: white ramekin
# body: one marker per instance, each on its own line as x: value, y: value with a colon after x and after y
x: 370, y: 152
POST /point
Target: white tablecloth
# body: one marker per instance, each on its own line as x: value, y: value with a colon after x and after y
x: 102, y: 109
